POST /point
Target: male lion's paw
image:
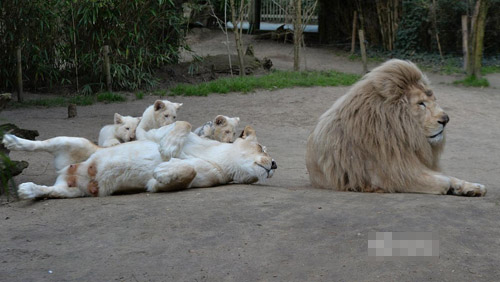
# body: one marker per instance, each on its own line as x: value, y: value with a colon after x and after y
x: 27, y: 190
x: 11, y: 142
x: 473, y: 190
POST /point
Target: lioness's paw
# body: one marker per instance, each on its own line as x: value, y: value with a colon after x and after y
x: 473, y: 190
x: 27, y: 190
x: 11, y: 142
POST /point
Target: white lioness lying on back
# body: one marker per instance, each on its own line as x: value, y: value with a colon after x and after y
x: 170, y: 158
x: 222, y: 129
x: 123, y: 130
x: 161, y: 113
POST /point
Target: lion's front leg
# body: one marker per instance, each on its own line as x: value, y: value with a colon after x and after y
x: 171, y: 144
x: 30, y: 190
x: 464, y: 188
x: 173, y: 175
x: 437, y: 183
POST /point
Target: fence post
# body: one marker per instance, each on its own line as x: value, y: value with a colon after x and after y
x: 353, y: 42
x: 465, y: 43
x: 363, y: 50
x: 107, y: 68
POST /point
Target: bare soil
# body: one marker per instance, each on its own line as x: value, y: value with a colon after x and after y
x: 283, y: 230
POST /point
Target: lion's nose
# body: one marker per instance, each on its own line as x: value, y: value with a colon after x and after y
x: 274, y: 165
x: 444, y: 119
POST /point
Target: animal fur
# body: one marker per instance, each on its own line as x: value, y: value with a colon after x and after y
x: 169, y: 158
x: 161, y: 113
x: 385, y: 134
x: 123, y: 130
x: 222, y: 129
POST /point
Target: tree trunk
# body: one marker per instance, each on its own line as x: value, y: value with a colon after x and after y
x: 297, y: 36
x: 19, y: 75
x: 237, y: 35
x: 465, y: 45
x: 363, y: 50
x: 107, y: 68
x: 476, y: 38
x: 353, y: 37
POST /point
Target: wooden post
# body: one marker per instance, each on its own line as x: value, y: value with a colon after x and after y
x: 19, y: 76
x: 354, y: 21
x: 363, y: 50
x: 71, y: 110
x: 465, y: 44
x: 107, y: 68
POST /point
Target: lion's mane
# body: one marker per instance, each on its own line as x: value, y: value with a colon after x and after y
x: 371, y: 128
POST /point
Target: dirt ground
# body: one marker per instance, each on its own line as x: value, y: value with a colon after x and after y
x: 283, y: 230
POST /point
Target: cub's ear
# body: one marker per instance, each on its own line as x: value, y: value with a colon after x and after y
x: 177, y: 105
x: 220, y: 120
x: 248, y: 133
x: 159, y: 105
x: 118, y: 118
x: 139, y: 119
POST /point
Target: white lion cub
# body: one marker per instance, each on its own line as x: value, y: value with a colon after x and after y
x: 161, y: 113
x: 222, y: 129
x: 123, y: 130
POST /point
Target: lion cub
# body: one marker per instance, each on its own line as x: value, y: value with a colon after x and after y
x: 123, y: 130
x: 161, y: 113
x: 222, y: 129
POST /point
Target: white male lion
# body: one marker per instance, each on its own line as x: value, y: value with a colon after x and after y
x: 222, y: 129
x: 123, y: 130
x: 169, y: 158
x: 384, y: 135
x: 161, y: 113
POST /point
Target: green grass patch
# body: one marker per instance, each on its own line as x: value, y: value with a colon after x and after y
x: 275, y: 80
x: 490, y: 69
x: 472, y: 81
x: 109, y: 97
x: 139, y: 95
x: 80, y: 100
x: 160, y: 92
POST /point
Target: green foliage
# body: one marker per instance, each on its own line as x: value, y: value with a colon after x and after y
x: 414, y: 22
x: 108, y: 97
x: 142, y: 35
x: 275, y: 80
x: 7, y: 182
x: 472, y: 81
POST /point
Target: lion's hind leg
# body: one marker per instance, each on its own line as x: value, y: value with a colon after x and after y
x: 66, y: 150
x: 173, y: 175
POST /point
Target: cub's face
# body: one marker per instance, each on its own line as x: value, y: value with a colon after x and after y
x: 125, y: 127
x: 256, y: 163
x: 225, y: 128
x: 165, y: 112
x: 433, y: 119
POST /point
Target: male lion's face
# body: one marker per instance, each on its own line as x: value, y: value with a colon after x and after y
x: 256, y: 163
x: 424, y: 106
